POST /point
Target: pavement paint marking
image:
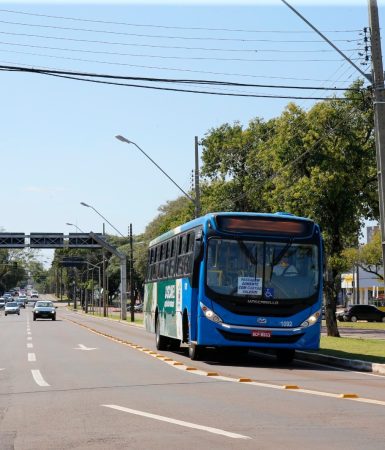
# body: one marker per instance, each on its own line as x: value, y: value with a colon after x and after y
x: 29, y: 345
x: 39, y: 379
x: 29, y: 338
x: 83, y: 347
x: 28, y: 332
x: 181, y: 423
x: 31, y: 357
x: 181, y: 366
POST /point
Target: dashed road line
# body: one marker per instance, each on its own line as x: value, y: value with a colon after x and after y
x: 181, y: 423
x: 31, y: 357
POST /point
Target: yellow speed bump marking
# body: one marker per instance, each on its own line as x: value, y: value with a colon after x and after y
x: 249, y: 381
x: 348, y: 396
x: 191, y: 368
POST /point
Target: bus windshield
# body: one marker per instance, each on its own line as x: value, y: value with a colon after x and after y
x: 267, y: 270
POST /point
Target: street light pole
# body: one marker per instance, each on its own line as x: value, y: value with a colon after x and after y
x: 97, y: 212
x: 127, y: 141
x: 77, y: 228
x: 123, y: 269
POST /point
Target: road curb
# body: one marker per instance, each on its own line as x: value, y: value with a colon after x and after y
x: 353, y: 364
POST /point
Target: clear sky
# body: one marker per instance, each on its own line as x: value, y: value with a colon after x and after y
x: 57, y: 135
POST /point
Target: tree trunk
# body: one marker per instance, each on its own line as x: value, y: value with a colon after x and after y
x: 331, y: 303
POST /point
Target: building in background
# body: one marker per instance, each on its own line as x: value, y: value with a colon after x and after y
x: 370, y: 232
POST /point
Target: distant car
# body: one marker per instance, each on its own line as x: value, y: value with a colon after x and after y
x: 11, y: 308
x: 34, y: 294
x: 44, y: 310
x: 2, y: 302
x: 7, y: 296
x: 21, y: 300
x: 362, y: 312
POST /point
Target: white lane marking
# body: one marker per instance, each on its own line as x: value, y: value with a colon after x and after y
x: 2, y: 369
x: 28, y: 332
x: 39, y: 379
x: 29, y: 338
x: 29, y: 345
x: 83, y: 347
x: 178, y: 422
x: 31, y: 357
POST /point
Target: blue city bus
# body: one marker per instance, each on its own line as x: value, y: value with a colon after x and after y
x: 234, y: 282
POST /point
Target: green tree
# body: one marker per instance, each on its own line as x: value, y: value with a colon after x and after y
x: 318, y: 163
x: 368, y: 257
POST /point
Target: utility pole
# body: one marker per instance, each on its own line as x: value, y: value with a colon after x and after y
x: 132, y: 303
x: 379, y: 111
x: 197, y: 191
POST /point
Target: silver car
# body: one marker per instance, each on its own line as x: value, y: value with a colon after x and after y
x: 12, y: 308
x: 44, y: 309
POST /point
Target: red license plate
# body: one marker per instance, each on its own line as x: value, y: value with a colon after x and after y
x: 261, y: 334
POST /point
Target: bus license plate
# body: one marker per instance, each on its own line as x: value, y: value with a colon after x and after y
x: 261, y: 334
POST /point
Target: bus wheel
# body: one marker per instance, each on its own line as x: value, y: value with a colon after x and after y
x: 161, y: 341
x: 285, y: 356
x: 195, y: 352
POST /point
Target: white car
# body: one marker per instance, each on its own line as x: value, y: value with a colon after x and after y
x: 44, y: 309
x: 12, y: 308
x: 34, y: 294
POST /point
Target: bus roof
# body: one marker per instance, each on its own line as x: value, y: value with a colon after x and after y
x: 200, y: 221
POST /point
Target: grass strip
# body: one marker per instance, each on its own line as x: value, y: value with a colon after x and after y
x: 372, y: 350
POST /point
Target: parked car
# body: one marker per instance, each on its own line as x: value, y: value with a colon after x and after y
x: 11, y: 308
x: 362, y: 312
x: 44, y: 310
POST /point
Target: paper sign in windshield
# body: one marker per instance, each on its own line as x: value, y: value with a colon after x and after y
x: 249, y: 286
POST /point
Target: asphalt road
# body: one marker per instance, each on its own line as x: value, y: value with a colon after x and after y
x: 73, y: 384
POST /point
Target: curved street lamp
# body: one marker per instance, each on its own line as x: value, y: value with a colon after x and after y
x: 127, y: 141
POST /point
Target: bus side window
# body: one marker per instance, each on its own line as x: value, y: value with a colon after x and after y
x: 190, y: 253
x: 161, y: 261
x: 166, y: 259
x: 156, y: 263
x: 171, y: 270
x: 181, y: 251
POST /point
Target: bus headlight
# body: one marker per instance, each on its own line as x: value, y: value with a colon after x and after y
x: 311, y: 320
x: 210, y: 314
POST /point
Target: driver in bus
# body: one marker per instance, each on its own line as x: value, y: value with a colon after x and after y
x: 285, y: 267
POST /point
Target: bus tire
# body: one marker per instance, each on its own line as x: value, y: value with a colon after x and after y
x: 285, y: 355
x: 195, y: 352
x: 160, y: 341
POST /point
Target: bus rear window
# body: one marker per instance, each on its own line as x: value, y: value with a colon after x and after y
x: 263, y: 225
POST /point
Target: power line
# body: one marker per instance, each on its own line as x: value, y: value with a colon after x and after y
x: 165, y: 26
x: 174, y: 69
x: 182, y: 58
x: 171, y: 47
x: 173, y: 80
x: 198, y: 38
